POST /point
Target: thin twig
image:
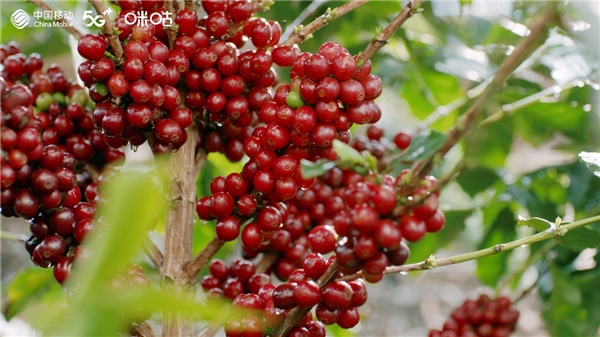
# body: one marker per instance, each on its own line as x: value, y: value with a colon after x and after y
x: 194, y: 267
x: 443, y: 110
x: 323, y: 20
x: 419, y: 199
x: 154, y: 254
x: 526, y: 292
x: 381, y: 40
x: 525, y: 47
x: 528, y: 263
x: 262, y: 5
x: 266, y: 262
x: 169, y: 30
x: 92, y: 171
x: 308, y: 11
x: 12, y: 236
x: 108, y: 28
x: 63, y: 23
x: 295, y: 315
x: 432, y: 262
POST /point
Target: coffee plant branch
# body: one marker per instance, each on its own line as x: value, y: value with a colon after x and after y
x: 526, y: 46
x: 305, y: 32
x: 432, y: 262
x: 154, y: 254
x: 295, y: 315
x: 169, y: 30
x: 203, y: 257
x: 382, y: 39
x: 64, y: 23
x: 115, y: 44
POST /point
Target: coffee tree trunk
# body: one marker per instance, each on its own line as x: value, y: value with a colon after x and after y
x: 181, y: 174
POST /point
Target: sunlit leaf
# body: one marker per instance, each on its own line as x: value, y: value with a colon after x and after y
x: 27, y: 285
x: 592, y: 161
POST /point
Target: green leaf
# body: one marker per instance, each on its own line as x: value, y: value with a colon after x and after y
x: 477, y: 180
x: 424, y: 145
x: 207, y: 174
x: 133, y: 206
x: 27, y: 285
x: 314, y: 169
x: 491, y: 268
x: 539, y: 224
x: 563, y: 314
x: 348, y: 154
x: 592, y: 161
x: 493, y: 143
x: 581, y: 238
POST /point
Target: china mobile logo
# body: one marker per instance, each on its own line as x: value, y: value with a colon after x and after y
x: 20, y: 19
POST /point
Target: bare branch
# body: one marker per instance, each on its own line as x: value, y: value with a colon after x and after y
x: 321, y: 21
x: 64, y: 23
x: 193, y: 268
x: 92, y: 171
x: 108, y: 28
x: 295, y: 315
x: 381, y: 40
x: 266, y: 262
x: 432, y: 262
x: 525, y: 47
x: 154, y: 254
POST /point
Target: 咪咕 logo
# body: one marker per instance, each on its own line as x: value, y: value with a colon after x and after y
x: 20, y: 19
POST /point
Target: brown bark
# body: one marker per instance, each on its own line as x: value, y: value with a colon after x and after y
x: 180, y: 170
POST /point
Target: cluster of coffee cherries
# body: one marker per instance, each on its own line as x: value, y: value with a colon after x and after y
x: 483, y: 317
x: 240, y: 277
x: 336, y: 302
x: 48, y: 135
x: 224, y: 89
x: 375, y: 143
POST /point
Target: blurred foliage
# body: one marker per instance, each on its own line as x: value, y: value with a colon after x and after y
x: 433, y: 66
